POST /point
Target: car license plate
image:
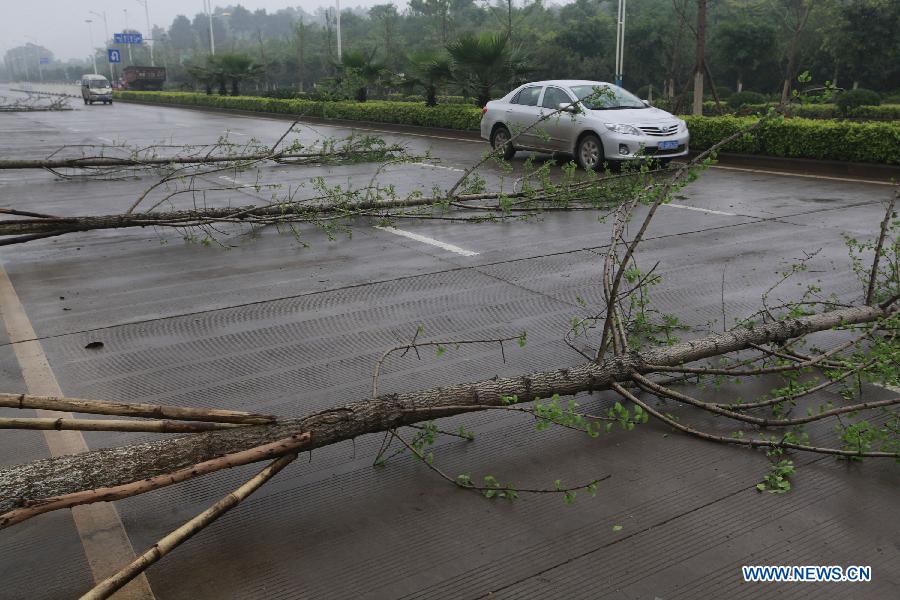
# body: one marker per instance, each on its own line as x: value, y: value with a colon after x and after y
x: 668, y: 145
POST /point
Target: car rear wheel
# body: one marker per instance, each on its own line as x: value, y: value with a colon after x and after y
x: 500, y: 138
x: 590, y: 153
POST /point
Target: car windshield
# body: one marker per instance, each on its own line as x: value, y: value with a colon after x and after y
x: 99, y: 83
x: 606, y: 97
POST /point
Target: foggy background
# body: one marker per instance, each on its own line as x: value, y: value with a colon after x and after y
x: 59, y: 25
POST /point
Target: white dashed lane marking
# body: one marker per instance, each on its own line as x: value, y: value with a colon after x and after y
x: 428, y: 240
x: 706, y: 210
x: 433, y: 166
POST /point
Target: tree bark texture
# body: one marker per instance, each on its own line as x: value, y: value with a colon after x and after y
x: 110, y: 467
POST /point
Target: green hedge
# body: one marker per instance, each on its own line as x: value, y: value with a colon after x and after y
x: 874, y: 142
x: 884, y: 112
x: 803, y: 138
x: 450, y: 116
x: 440, y: 99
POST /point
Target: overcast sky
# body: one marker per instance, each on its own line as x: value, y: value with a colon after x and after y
x: 59, y: 24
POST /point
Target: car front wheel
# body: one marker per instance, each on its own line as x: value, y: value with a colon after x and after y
x: 500, y: 139
x: 590, y: 153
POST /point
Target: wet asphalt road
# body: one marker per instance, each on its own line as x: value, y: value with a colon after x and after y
x: 269, y: 324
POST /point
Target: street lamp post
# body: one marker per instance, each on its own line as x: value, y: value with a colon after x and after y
x: 130, y: 61
x: 207, y: 6
x: 93, y: 50
x: 37, y: 48
x: 112, y: 73
x: 620, y: 43
x: 146, y: 5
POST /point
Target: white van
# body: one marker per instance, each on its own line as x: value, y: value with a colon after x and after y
x: 96, y: 88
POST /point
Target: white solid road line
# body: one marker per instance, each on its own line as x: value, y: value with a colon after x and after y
x: 231, y: 179
x: 434, y: 166
x: 706, y: 210
x: 427, y: 240
x: 99, y: 526
x: 806, y: 175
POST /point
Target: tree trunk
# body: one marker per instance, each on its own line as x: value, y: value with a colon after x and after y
x: 699, y: 60
x: 801, y: 14
x: 484, y: 96
x: 118, y: 466
x: 301, y: 29
x: 791, y: 67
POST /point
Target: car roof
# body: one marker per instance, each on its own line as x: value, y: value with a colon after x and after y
x: 567, y: 82
x: 92, y: 76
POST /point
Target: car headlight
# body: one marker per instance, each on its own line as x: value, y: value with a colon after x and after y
x: 622, y: 128
x: 682, y: 126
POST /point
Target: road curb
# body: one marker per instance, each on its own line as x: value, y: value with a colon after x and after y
x: 462, y: 134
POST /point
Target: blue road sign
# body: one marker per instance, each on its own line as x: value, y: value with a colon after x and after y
x: 44, y: 61
x: 128, y: 38
x: 114, y: 55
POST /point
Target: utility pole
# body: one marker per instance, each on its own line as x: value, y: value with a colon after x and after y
x: 620, y: 44
x: 146, y: 5
x: 112, y: 73
x: 337, y: 4
x: 93, y: 50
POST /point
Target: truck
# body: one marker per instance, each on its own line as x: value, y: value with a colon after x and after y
x: 143, y: 78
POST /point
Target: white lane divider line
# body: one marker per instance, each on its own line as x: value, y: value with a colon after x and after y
x: 427, y: 240
x: 434, y: 166
x: 230, y: 179
x: 705, y: 210
x: 806, y: 175
x: 230, y: 132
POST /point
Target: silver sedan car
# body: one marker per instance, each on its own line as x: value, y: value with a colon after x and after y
x: 597, y: 122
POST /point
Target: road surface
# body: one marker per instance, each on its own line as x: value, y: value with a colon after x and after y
x: 271, y: 323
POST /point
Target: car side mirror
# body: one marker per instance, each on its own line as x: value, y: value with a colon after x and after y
x: 646, y: 102
x: 568, y: 107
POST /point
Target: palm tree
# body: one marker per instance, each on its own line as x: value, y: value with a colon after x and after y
x: 361, y: 70
x: 483, y: 62
x: 202, y: 75
x: 428, y: 70
x: 235, y: 68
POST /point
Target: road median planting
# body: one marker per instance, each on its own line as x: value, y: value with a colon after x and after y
x: 868, y: 142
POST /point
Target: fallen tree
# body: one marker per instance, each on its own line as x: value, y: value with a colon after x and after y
x: 34, y: 103
x: 110, y: 467
x: 185, y: 173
